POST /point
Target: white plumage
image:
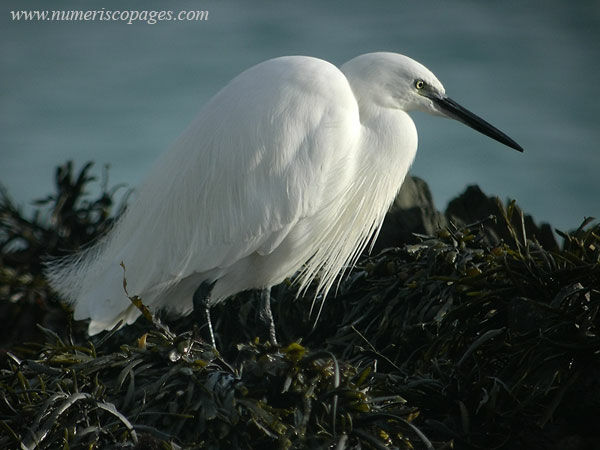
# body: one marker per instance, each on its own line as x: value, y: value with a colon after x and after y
x: 288, y: 170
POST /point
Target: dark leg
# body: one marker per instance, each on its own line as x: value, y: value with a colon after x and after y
x: 202, y: 303
x: 266, y: 315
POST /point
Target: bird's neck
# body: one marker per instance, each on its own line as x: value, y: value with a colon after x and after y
x: 389, y: 136
x: 389, y: 145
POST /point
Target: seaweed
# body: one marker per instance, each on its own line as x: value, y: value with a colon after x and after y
x: 69, y: 220
x: 472, y: 336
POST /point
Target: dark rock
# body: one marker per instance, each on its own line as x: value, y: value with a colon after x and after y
x: 413, y: 211
x: 473, y: 206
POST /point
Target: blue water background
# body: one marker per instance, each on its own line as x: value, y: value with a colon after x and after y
x: 119, y: 94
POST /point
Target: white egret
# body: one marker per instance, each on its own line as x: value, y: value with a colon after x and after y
x: 289, y: 169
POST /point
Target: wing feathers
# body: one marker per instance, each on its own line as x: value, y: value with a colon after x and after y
x: 259, y: 158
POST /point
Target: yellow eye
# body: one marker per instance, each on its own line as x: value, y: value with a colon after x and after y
x: 419, y: 84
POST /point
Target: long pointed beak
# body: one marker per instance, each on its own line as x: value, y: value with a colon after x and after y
x: 453, y: 110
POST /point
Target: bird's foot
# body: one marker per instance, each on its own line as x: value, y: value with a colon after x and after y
x: 266, y: 315
x: 201, y: 301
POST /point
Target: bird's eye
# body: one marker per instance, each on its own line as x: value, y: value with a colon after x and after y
x: 419, y: 84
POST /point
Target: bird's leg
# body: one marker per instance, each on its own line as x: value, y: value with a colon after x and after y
x: 266, y: 315
x: 201, y: 301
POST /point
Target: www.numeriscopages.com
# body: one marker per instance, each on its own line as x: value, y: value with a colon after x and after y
x: 103, y: 14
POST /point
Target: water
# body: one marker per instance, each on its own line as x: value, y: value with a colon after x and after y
x: 120, y: 94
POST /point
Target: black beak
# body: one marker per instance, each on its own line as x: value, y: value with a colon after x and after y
x: 453, y: 110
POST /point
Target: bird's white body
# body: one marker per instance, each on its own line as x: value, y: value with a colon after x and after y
x: 288, y: 170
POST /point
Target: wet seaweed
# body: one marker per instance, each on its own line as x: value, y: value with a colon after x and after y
x: 454, y: 341
x: 61, y: 223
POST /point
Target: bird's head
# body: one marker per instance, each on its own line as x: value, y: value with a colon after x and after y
x: 391, y: 80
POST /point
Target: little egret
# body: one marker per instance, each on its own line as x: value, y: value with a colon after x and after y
x: 288, y: 170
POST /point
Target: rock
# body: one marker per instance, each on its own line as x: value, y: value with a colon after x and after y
x: 413, y: 211
x: 473, y: 205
